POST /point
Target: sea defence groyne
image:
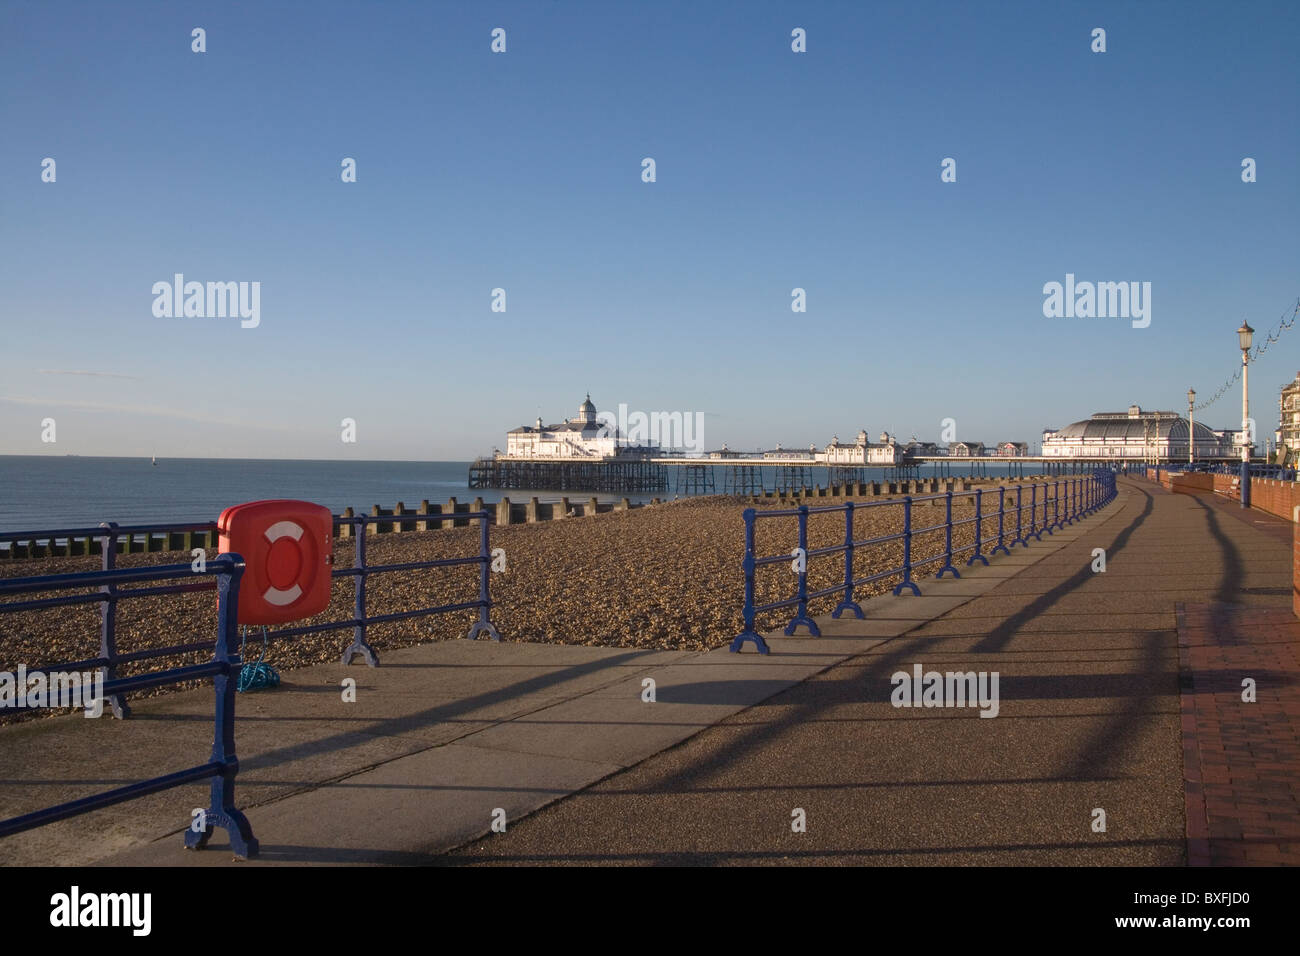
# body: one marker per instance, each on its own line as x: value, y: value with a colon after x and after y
x: 150, y: 539
x: 427, y: 516
x: 884, y: 489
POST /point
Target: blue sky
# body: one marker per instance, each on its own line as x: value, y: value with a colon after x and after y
x: 522, y: 171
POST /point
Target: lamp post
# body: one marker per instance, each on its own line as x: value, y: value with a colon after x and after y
x: 1191, y: 423
x: 1244, y: 336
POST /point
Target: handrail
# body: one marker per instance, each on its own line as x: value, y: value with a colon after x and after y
x: 224, y: 668
x: 110, y: 578
x: 1063, y: 502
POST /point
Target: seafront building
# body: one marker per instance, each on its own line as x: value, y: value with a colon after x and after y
x: 884, y: 453
x: 582, y: 436
x: 1288, y: 431
x: 1133, y: 435
x: 790, y: 454
x: 1136, y: 435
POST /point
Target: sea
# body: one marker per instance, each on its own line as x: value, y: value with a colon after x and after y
x: 48, y: 492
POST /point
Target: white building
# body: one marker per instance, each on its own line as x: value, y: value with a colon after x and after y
x: 1288, y: 432
x: 1134, y: 435
x: 863, y: 451
x: 580, y: 437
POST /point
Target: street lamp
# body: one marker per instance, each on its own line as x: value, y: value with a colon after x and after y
x: 1244, y: 336
x: 1191, y: 422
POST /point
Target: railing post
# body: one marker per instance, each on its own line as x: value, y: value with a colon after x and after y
x: 801, y: 612
x: 947, y: 541
x: 979, y: 494
x: 1033, y: 512
x: 847, y: 603
x: 222, y: 812
x: 749, y: 634
x: 1056, y: 508
x: 359, y: 644
x: 907, y: 581
x: 1020, y: 510
x: 484, y: 623
x: 1002, y: 508
x: 108, y: 620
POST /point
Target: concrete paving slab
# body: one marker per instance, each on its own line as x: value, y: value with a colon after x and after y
x: 402, y: 813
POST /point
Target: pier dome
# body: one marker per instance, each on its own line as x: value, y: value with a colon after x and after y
x: 580, y: 437
x: 1125, y: 430
x: 1134, y: 434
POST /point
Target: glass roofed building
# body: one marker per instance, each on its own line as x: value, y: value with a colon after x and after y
x: 1135, y: 435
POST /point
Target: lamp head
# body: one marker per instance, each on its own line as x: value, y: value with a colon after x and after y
x: 1244, y: 336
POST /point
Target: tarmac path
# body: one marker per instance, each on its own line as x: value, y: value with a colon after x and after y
x: 1088, y: 721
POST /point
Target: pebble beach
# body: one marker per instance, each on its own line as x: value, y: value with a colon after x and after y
x: 665, y: 577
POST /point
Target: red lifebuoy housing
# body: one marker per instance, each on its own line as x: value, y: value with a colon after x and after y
x: 288, y: 549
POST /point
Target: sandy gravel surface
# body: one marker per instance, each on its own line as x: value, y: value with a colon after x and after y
x: 660, y: 577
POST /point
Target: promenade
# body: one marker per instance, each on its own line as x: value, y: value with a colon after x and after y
x: 446, y: 737
x: 1091, y: 717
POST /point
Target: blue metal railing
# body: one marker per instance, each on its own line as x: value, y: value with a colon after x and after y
x: 223, y: 668
x: 112, y: 536
x: 1070, y: 500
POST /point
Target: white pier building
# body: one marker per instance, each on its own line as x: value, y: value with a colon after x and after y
x: 579, y: 437
x: 1135, y: 435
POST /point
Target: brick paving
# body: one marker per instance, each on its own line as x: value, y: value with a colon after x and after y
x: 1241, y: 760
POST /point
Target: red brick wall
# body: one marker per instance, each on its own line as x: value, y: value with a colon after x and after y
x: 1276, y: 497
x: 1223, y: 485
x: 1191, y: 484
x: 1165, y: 477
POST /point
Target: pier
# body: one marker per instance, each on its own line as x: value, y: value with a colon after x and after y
x: 600, y: 452
x: 622, y: 475
x: 748, y: 473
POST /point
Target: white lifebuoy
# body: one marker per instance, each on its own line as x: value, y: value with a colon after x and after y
x: 281, y: 596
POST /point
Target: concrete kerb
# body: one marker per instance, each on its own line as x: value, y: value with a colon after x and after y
x: 445, y: 763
